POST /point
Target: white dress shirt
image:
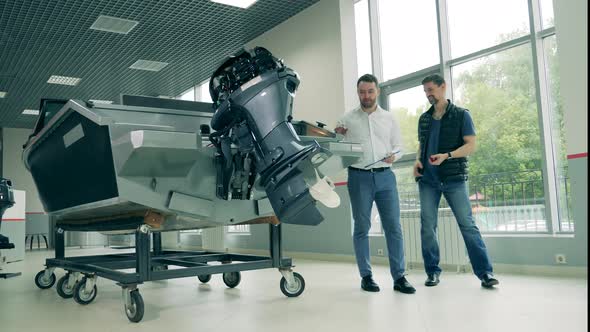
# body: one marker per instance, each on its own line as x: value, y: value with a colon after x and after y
x: 378, y: 133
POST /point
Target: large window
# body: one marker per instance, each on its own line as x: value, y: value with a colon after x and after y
x: 506, y: 171
x: 558, y: 135
x: 203, y: 92
x: 232, y: 229
x: 188, y: 95
x: 409, y: 41
x: 363, y: 37
x: 478, y: 24
x: 406, y: 107
x: 197, y: 93
x: 547, y: 13
x: 498, y: 91
x: 508, y: 79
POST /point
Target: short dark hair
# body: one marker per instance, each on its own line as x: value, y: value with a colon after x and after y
x: 434, y: 78
x: 369, y: 79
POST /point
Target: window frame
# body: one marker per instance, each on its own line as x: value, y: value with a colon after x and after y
x: 535, y: 38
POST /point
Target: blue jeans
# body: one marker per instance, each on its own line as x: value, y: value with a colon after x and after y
x: 365, y: 188
x: 457, y: 196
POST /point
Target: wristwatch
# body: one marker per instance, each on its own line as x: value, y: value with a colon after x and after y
x: 449, y: 154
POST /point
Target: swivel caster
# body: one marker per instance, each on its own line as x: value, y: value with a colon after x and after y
x: 45, y: 279
x: 85, y: 290
x: 232, y: 279
x: 133, y: 305
x: 293, y: 287
x: 204, y: 278
x: 66, y: 284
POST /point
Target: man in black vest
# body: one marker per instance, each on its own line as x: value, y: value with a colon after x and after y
x: 447, y: 136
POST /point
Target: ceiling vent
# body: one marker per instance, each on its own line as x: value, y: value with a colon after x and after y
x: 113, y: 24
x: 148, y: 65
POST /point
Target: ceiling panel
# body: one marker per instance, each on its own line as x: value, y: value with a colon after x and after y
x: 40, y: 38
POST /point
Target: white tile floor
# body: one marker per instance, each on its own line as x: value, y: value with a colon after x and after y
x: 332, y: 301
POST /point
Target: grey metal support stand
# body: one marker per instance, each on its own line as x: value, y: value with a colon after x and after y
x: 276, y: 246
x: 152, y: 263
x: 157, y: 243
x: 59, y: 243
x: 142, y: 252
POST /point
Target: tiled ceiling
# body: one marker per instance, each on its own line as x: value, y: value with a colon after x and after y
x: 41, y: 38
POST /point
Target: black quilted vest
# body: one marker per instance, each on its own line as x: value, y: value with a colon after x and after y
x: 451, y: 138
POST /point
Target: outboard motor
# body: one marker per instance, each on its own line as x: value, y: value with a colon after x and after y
x: 252, y: 94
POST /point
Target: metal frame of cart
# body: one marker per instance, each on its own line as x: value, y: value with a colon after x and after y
x: 152, y: 264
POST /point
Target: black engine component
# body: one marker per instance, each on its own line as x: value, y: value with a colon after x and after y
x: 253, y: 93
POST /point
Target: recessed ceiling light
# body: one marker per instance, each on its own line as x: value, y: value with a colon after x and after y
x: 2, y: 94
x: 113, y: 24
x: 31, y: 112
x: 148, y: 65
x: 236, y: 3
x: 64, y: 80
x: 98, y: 101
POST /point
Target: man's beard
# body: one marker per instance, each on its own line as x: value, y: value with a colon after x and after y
x: 368, y: 104
x: 432, y: 100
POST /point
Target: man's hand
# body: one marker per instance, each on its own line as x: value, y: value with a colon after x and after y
x: 389, y: 159
x: 341, y: 130
x: 417, y: 166
x: 437, y: 159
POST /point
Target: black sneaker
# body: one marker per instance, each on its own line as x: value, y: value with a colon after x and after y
x: 488, y: 281
x: 402, y: 285
x: 369, y: 285
x: 432, y: 280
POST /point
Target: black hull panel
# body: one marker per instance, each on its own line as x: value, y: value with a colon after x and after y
x: 73, y: 165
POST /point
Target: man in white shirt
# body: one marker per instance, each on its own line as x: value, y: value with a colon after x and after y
x: 372, y: 180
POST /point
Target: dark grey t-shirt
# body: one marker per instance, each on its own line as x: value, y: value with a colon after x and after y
x: 431, y: 171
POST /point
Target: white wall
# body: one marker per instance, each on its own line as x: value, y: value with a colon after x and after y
x: 310, y: 43
x: 14, y: 169
x: 571, y: 26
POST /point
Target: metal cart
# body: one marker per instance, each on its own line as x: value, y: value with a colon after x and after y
x: 152, y: 263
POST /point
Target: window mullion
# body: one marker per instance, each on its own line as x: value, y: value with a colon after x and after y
x: 375, y: 33
x: 540, y: 79
x: 444, y: 44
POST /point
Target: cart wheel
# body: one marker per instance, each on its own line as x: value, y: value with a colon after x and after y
x: 204, y: 278
x: 42, y: 282
x: 134, y: 311
x: 80, y: 294
x: 232, y: 279
x: 63, y: 288
x: 294, y: 290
